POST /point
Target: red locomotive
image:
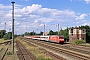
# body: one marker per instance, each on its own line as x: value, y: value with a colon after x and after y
x: 53, y: 38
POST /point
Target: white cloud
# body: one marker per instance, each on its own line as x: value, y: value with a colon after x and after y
x: 26, y: 0
x: 9, y: 23
x: 29, y: 9
x: 35, y: 16
x: 82, y: 16
x: 8, y: 15
x: 86, y: 24
x: 2, y: 7
x: 45, y: 19
x: 87, y: 1
x: 66, y: 13
x: 41, y: 24
x: 70, y: 0
x: 43, y: 14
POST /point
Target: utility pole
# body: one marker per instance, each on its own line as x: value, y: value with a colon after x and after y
x: 58, y: 29
x: 5, y: 25
x: 33, y: 32
x: 67, y: 27
x: 13, y: 27
x: 44, y: 29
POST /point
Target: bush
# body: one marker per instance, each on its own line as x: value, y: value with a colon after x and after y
x: 8, y: 36
x: 9, y: 53
x: 79, y: 41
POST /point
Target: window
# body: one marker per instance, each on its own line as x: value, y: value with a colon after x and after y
x: 72, y: 34
x: 83, y: 38
x: 77, y: 31
x: 71, y: 30
x: 82, y: 31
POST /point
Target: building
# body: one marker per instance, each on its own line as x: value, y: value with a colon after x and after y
x: 46, y: 33
x: 77, y: 33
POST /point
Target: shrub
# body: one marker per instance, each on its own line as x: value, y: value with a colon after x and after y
x: 9, y: 53
x: 8, y: 36
x: 79, y: 41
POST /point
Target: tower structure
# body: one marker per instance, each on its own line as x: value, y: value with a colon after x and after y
x: 77, y: 33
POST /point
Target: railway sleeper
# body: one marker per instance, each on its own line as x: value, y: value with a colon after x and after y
x: 68, y: 53
x: 24, y: 53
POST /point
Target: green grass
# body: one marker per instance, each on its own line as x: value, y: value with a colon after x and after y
x: 9, y: 53
x: 79, y: 41
x: 43, y: 58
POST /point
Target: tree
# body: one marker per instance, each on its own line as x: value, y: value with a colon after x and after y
x: 32, y: 33
x: 41, y: 33
x: 26, y: 33
x: 2, y: 33
x: 56, y: 33
x: 8, y: 36
x: 51, y: 32
x: 65, y: 33
x: 87, y: 33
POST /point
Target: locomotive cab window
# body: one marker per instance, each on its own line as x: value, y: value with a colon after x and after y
x: 60, y: 37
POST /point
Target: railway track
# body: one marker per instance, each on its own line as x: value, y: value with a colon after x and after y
x: 85, y: 46
x: 5, y: 43
x: 77, y: 48
x: 74, y: 54
x: 4, y: 49
x: 23, y: 53
x: 80, y: 49
x: 54, y: 56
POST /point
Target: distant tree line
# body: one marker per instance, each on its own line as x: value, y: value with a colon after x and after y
x: 2, y: 33
x: 87, y: 33
x: 5, y: 35
x: 8, y: 36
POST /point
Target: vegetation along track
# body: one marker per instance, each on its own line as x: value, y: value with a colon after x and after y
x: 23, y: 53
x: 4, y: 49
x: 54, y: 56
x: 60, y: 49
x: 77, y: 48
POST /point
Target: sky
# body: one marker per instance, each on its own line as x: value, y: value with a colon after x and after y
x: 32, y: 15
